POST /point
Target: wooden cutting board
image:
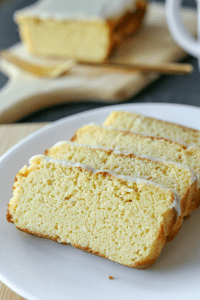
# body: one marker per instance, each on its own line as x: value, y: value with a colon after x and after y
x: 25, y: 93
x: 10, y: 135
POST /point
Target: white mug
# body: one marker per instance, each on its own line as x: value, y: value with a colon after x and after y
x: 179, y: 33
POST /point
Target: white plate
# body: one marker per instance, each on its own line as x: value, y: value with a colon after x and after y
x: 38, y: 268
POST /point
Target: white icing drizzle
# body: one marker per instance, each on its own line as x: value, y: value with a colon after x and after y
x: 192, y: 147
x: 194, y: 177
x: 47, y: 159
x: 78, y: 9
x: 198, y: 185
x: 176, y: 204
x: 198, y: 175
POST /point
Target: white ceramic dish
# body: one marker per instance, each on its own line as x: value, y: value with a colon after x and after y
x: 41, y: 269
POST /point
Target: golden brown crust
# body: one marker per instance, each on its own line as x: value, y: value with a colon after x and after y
x: 127, y: 25
x: 175, y: 229
x: 195, y: 203
x: 140, y: 265
x: 46, y: 152
x: 193, y: 199
x: 9, y: 216
x: 74, y: 138
x: 173, y: 225
x: 186, y: 199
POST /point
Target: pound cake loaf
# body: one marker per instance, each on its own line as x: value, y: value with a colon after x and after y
x: 174, y: 176
x: 83, y: 30
x: 157, y: 147
x: 117, y: 217
x: 139, y: 123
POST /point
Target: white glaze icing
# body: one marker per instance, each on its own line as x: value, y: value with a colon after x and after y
x: 47, y: 159
x: 176, y: 204
x: 194, y: 177
x: 78, y: 9
x: 192, y: 147
x: 198, y: 183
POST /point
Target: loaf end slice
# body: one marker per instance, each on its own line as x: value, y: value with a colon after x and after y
x: 89, y: 38
x: 143, y: 124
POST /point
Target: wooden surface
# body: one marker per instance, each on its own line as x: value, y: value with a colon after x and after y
x: 10, y: 135
x: 153, y: 44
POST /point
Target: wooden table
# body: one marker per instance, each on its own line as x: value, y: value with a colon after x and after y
x: 10, y: 135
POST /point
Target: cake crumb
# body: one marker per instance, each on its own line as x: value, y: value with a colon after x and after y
x: 110, y: 277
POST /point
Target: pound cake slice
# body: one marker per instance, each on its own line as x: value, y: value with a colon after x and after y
x: 156, y: 147
x: 174, y: 176
x: 117, y: 217
x: 139, y: 123
x: 84, y: 30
